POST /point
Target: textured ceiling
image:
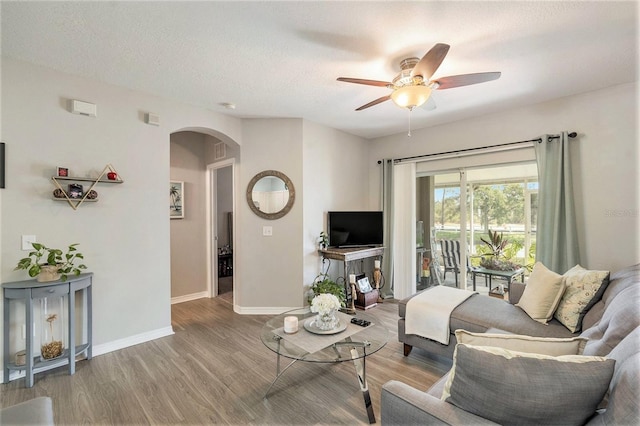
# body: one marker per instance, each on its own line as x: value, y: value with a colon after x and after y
x: 281, y: 59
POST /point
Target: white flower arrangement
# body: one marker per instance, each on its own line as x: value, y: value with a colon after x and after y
x: 324, y: 303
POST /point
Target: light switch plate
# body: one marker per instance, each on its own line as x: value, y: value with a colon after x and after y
x: 26, y: 242
x: 267, y: 231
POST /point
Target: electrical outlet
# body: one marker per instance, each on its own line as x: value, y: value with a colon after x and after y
x: 26, y: 242
x: 267, y: 231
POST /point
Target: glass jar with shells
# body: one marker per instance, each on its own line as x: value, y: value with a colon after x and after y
x: 52, y: 328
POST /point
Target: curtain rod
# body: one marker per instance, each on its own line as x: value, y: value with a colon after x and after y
x: 504, y: 146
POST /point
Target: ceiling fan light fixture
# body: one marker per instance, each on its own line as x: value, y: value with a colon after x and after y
x: 411, y: 96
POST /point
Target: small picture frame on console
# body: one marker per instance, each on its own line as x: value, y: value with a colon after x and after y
x: 363, y: 285
x: 62, y: 171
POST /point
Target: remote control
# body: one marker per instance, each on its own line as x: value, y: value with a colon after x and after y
x: 360, y: 322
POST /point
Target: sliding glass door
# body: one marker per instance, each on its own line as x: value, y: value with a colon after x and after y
x: 457, y: 210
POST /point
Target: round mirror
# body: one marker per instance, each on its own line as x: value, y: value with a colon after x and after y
x: 270, y: 194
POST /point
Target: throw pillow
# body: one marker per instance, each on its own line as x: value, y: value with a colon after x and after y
x: 542, y: 293
x: 509, y: 387
x: 583, y: 290
x: 515, y: 342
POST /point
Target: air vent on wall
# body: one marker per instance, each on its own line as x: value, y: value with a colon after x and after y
x: 219, y: 151
x: 152, y: 119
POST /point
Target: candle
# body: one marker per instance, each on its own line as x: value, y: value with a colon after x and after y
x: 376, y: 264
x: 290, y: 324
x: 352, y: 278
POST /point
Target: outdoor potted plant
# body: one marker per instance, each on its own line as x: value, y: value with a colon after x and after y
x: 58, y: 264
x: 495, y: 258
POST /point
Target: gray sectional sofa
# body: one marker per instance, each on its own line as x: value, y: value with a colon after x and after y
x: 612, y: 327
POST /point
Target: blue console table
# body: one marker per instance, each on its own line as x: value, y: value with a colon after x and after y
x: 28, y: 291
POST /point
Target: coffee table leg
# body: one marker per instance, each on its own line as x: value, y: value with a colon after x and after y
x: 361, y: 373
x: 278, y: 372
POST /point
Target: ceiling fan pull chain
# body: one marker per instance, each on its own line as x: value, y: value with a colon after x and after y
x: 409, y: 133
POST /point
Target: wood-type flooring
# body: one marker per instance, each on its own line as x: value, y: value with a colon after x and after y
x: 215, y: 370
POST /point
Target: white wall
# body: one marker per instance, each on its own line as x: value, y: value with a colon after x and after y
x: 336, y: 177
x: 268, y: 272
x: 605, y: 161
x: 125, y: 235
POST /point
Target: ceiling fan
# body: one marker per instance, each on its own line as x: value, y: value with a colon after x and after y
x: 412, y: 86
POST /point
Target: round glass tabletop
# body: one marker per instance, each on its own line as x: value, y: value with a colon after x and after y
x: 347, y: 342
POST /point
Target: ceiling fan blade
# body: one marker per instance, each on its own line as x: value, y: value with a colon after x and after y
x: 376, y: 102
x: 465, y: 79
x: 363, y: 81
x: 430, y: 61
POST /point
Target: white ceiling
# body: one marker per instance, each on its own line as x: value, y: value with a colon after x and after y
x: 281, y: 59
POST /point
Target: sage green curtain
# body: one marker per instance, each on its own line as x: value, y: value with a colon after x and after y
x: 556, y: 235
x: 387, y: 208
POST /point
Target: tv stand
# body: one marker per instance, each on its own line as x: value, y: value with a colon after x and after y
x: 350, y: 254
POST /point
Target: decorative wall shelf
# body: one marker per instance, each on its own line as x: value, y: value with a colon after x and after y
x: 75, y: 202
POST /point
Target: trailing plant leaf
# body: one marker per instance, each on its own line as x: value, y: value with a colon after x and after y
x: 64, y: 261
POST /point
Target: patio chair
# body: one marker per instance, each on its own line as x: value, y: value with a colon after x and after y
x: 451, y: 258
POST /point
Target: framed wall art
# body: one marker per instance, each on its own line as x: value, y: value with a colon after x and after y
x: 176, y: 199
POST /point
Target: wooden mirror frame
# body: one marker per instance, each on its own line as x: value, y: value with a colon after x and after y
x: 288, y: 184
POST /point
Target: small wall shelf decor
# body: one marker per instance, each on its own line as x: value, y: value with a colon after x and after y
x: 75, y: 194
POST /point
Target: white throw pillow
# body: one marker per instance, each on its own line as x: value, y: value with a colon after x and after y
x: 553, y: 346
x: 542, y: 293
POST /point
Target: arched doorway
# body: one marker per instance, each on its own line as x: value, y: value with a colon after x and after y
x: 195, y: 157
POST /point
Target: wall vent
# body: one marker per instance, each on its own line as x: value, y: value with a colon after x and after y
x: 219, y: 151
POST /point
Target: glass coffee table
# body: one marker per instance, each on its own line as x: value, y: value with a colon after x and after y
x: 348, y: 342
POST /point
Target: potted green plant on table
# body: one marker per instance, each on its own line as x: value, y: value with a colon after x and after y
x: 58, y: 263
x: 496, y: 247
x: 324, y: 284
x: 323, y: 240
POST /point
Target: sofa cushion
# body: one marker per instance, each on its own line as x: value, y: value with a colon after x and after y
x: 37, y: 411
x: 480, y: 313
x: 583, y: 289
x: 542, y: 293
x: 619, y: 319
x: 516, y: 342
x: 507, y: 387
x: 618, y: 281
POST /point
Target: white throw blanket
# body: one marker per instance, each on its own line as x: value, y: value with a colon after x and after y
x: 428, y: 314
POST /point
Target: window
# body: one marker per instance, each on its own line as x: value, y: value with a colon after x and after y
x: 498, y: 198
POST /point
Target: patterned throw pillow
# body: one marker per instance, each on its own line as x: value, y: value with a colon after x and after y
x: 583, y: 289
x: 509, y: 387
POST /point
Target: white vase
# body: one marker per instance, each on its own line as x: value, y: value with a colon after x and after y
x: 327, y: 320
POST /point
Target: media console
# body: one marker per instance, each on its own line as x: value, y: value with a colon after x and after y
x: 350, y: 254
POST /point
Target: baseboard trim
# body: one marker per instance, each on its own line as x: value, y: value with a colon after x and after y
x: 132, y: 341
x: 189, y: 297
x: 261, y: 310
x: 110, y: 347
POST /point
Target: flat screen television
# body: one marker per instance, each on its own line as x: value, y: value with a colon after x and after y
x: 355, y: 229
